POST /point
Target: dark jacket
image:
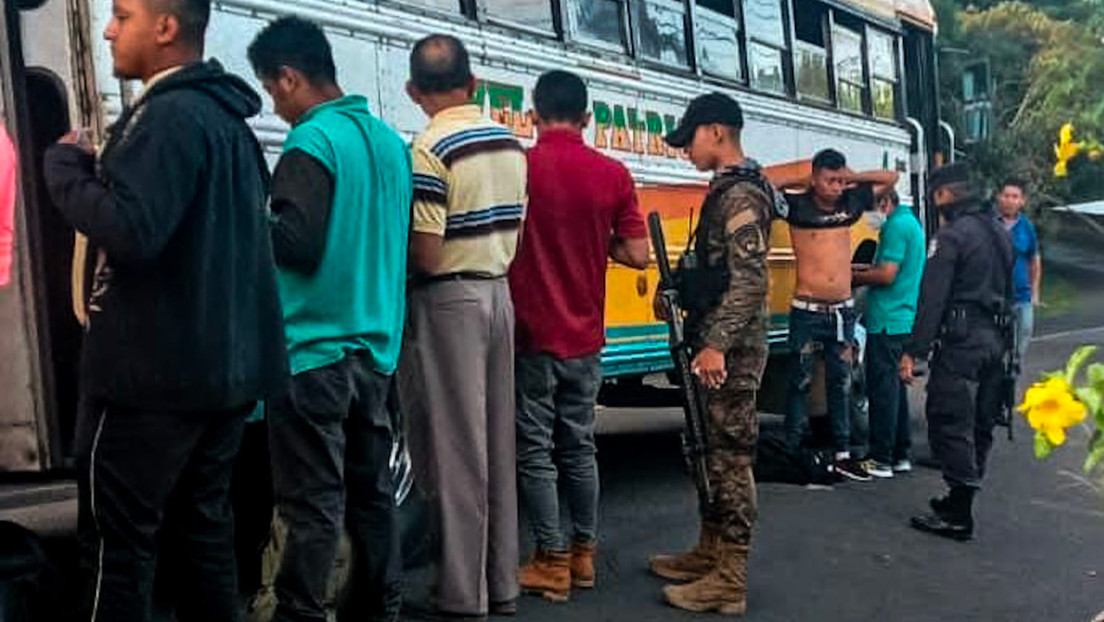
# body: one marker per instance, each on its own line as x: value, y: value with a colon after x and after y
x: 184, y: 313
x: 969, y: 269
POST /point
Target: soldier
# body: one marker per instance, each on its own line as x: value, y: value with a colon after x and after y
x: 727, y: 324
x: 964, y: 294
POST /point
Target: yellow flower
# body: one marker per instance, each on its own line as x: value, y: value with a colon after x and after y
x: 1051, y: 407
x: 1065, y: 150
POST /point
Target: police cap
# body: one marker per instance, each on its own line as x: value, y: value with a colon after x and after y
x: 957, y: 173
x: 706, y: 110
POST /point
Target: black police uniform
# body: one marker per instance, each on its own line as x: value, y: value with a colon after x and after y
x: 963, y: 294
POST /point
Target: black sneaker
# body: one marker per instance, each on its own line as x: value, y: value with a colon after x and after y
x: 851, y: 469
x: 944, y: 527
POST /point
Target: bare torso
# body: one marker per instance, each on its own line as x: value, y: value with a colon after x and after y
x: 823, y: 263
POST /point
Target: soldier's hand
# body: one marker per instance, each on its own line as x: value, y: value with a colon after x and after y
x: 709, y: 367
x: 907, y: 368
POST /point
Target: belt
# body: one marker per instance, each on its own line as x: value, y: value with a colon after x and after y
x: 822, y: 307
x: 831, y: 308
x: 454, y: 276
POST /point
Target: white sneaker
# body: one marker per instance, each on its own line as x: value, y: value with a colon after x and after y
x: 881, y: 471
x: 902, y: 466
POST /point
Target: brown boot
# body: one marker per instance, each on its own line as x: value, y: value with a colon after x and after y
x: 582, y: 565
x: 548, y: 574
x: 693, y: 564
x: 724, y: 590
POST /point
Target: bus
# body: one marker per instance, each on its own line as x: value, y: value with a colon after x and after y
x: 856, y: 75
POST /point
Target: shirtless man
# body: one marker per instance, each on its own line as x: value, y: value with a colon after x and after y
x: 820, y: 220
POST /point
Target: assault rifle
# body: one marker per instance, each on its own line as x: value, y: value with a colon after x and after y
x: 1010, y: 372
x: 693, y: 437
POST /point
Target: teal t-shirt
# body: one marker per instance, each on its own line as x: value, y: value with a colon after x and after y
x: 892, y: 309
x: 356, y: 298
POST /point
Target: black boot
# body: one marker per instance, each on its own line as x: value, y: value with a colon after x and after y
x: 940, y: 505
x: 953, y: 516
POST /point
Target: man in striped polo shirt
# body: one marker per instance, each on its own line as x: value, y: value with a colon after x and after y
x: 469, y: 201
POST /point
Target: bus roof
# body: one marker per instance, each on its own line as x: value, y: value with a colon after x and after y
x: 917, y: 11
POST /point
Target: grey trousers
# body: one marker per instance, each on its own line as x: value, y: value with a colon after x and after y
x: 555, y: 435
x: 458, y: 376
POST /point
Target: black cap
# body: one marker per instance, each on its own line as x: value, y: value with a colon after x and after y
x: 957, y: 173
x: 705, y: 110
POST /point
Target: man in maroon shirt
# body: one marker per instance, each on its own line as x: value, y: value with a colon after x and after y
x: 582, y: 212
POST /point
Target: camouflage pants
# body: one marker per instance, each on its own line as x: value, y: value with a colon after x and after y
x: 733, y: 432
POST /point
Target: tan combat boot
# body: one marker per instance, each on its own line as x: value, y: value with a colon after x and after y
x: 548, y: 574
x: 693, y: 564
x: 582, y: 565
x: 724, y: 590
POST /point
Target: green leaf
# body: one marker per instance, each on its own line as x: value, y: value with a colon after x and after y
x: 1043, y: 448
x: 1095, y: 374
x: 1077, y: 361
x: 1091, y: 398
x: 1096, y: 452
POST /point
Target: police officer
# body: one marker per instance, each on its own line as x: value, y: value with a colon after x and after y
x: 964, y: 299
x: 727, y: 325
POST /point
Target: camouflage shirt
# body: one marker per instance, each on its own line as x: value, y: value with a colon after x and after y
x: 735, y: 231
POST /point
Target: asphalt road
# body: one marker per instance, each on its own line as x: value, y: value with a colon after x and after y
x: 839, y: 555
x: 847, y: 554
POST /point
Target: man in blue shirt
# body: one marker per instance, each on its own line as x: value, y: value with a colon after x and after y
x: 894, y: 282
x: 1027, y: 272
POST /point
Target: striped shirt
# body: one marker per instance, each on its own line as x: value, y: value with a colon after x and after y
x: 470, y: 189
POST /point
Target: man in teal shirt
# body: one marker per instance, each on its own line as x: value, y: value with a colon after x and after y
x: 341, y: 197
x: 894, y: 282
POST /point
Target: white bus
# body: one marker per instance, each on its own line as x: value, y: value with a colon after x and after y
x: 856, y: 75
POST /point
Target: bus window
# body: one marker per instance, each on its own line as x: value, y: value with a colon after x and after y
x: 811, y: 51
x: 661, y: 31
x: 451, y: 6
x: 847, y: 51
x: 601, y: 22
x: 765, y: 26
x: 717, y: 32
x: 883, y: 71
x: 534, y: 14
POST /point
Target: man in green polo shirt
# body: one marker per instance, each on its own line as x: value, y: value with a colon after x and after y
x: 341, y: 197
x: 894, y: 281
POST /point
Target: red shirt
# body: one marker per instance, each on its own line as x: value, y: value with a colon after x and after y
x: 579, y: 200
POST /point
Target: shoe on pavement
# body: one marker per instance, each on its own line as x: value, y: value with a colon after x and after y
x: 548, y: 574
x: 902, y: 466
x: 504, y: 608
x: 878, y: 469
x: 851, y: 469
x: 943, y: 526
x: 582, y: 565
x: 693, y: 564
x: 723, y: 590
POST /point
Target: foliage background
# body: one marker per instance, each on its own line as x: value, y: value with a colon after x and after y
x: 1047, y: 62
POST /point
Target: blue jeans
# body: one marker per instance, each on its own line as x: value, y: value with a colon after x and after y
x: 890, y: 435
x: 1025, y: 325
x: 555, y: 434
x: 807, y: 329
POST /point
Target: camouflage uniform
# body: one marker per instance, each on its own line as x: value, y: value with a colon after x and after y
x: 736, y: 224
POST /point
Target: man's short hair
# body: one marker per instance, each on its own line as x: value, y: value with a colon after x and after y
x: 1015, y: 182
x: 560, y: 96
x: 829, y: 159
x: 192, y: 15
x: 890, y: 194
x: 439, y: 64
x: 295, y: 43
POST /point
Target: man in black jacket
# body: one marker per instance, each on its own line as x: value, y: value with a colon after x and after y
x: 185, y: 331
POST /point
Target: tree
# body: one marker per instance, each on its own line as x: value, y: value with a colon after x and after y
x: 1047, y: 69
